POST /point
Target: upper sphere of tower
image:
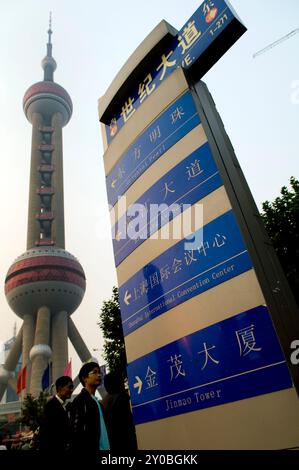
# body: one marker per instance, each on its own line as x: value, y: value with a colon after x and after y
x: 47, y: 98
x: 49, y: 62
x: 49, y: 277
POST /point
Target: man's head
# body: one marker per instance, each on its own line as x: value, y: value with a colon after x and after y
x: 90, y: 375
x: 64, y: 387
x: 114, y: 382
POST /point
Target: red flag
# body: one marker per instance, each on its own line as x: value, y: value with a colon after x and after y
x: 68, y: 369
x: 21, y: 381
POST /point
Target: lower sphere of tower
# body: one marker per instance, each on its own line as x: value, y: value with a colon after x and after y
x: 49, y: 277
x: 47, y: 98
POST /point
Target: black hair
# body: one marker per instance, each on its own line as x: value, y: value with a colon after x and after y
x: 114, y: 382
x: 62, y: 381
x: 85, y: 369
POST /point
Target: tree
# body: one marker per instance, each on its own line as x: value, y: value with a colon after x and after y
x: 281, y: 219
x: 111, y: 326
x: 33, y: 409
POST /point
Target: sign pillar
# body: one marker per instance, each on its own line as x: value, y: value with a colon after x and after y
x: 207, y: 314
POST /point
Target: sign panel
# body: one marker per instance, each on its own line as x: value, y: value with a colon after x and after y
x: 173, y: 124
x: 195, y: 38
x: 180, y: 273
x: 188, y: 182
x: 235, y: 359
x: 238, y: 357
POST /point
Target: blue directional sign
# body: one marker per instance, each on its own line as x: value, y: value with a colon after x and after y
x: 184, y: 185
x: 173, y: 124
x: 218, y: 254
x: 235, y: 359
x: 212, y: 22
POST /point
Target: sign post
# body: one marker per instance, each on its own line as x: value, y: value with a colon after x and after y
x: 207, y: 315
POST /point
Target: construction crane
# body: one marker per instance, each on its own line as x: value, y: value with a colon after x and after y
x: 273, y: 44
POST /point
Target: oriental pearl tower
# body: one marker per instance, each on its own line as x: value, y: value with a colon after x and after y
x: 46, y: 284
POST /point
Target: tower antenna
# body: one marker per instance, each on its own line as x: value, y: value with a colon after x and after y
x: 50, y: 26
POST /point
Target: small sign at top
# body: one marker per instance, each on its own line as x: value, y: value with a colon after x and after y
x: 213, y: 20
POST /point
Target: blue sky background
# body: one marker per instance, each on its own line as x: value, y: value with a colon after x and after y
x: 258, y: 100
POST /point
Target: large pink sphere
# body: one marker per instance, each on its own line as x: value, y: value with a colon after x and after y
x: 47, y: 98
x: 47, y: 276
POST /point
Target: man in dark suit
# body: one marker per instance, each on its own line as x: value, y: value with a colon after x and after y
x: 88, y: 429
x: 118, y: 415
x: 55, y: 427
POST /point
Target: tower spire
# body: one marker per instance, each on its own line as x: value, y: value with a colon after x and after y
x: 48, y: 63
x: 49, y: 44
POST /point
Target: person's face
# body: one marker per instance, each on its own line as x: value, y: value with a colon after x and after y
x: 94, y: 377
x: 66, y: 391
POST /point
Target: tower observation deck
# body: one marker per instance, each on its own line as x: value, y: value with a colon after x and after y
x: 46, y: 284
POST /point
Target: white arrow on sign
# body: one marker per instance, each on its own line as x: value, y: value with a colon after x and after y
x: 138, y: 384
x: 127, y: 297
x: 113, y: 184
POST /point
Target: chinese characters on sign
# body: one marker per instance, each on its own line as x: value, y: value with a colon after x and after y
x: 196, y: 36
x: 187, y: 183
x: 173, y: 124
x: 179, y: 274
x: 237, y: 358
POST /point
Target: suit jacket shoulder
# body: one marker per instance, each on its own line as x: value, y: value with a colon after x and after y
x: 54, y: 429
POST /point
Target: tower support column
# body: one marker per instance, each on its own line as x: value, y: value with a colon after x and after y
x: 28, y: 339
x: 34, y: 199
x: 7, y: 370
x: 59, y: 344
x: 41, y: 351
x: 58, y: 201
x: 78, y: 343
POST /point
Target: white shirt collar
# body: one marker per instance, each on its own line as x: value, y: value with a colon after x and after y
x: 60, y: 401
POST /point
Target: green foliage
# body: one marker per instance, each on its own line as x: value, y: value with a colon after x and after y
x: 33, y: 409
x: 281, y: 219
x: 111, y: 326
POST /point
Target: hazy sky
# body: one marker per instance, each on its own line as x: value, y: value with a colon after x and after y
x: 258, y: 100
